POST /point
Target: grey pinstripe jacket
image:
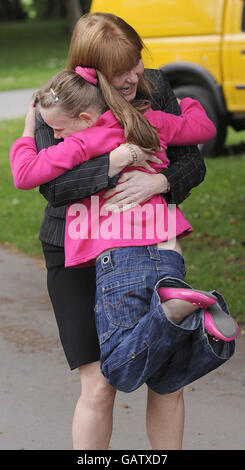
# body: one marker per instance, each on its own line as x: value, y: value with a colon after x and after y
x: 186, y: 169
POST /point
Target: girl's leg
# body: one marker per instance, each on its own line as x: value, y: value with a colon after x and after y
x: 216, y: 322
x: 177, y: 309
x: 165, y: 420
x: 92, y: 423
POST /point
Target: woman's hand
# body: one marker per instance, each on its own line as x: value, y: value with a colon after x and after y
x: 122, y: 157
x: 29, y: 128
x: 133, y: 188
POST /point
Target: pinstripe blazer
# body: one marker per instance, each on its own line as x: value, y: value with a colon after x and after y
x: 186, y: 169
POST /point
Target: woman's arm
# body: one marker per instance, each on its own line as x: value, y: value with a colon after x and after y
x: 82, y: 181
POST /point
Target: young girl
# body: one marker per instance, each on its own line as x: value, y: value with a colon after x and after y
x: 131, y: 337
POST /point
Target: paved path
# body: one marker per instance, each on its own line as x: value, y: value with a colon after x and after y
x: 14, y: 103
x: 38, y: 392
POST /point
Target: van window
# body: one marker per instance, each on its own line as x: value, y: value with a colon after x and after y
x: 243, y: 17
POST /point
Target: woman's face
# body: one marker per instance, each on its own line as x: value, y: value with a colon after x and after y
x: 127, y: 83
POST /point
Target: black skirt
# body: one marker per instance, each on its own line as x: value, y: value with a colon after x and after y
x: 72, y: 293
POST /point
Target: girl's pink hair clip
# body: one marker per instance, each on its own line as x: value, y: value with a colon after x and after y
x: 88, y: 73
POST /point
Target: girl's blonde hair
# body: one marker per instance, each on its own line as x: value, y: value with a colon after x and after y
x: 71, y: 93
x: 111, y: 46
x: 136, y: 128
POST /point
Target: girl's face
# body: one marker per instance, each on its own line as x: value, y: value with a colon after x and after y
x: 127, y: 83
x: 63, y: 125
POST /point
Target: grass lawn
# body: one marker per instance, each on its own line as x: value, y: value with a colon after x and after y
x: 21, y: 212
x: 31, y: 52
x: 215, y: 252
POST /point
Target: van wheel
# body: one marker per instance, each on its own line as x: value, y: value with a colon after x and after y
x: 215, y: 146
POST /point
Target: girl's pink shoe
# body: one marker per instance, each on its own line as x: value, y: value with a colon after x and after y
x: 220, y: 325
x: 199, y: 298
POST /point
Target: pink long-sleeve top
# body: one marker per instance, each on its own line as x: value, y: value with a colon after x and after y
x: 89, y: 231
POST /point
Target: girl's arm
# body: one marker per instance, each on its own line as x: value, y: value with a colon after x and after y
x: 187, y: 168
x: 192, y: 127
x: 31, y: 168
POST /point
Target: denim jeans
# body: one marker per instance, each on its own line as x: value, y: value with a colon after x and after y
x: 138, y: 343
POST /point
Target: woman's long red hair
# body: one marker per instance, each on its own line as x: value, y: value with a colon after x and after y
x: 110, y: 45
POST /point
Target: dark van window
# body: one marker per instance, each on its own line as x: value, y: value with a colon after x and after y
x: 243, y: 17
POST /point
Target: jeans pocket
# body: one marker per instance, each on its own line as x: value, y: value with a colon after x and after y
x: 125, y: 300
x: 126, y: 373
x: 104, y: 328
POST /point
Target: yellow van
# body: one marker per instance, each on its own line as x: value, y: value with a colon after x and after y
x: 200, y: 45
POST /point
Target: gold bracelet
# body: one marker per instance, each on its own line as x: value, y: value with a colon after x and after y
x: 132, y: 152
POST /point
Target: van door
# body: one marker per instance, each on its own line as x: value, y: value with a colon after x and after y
x: 234, y: 56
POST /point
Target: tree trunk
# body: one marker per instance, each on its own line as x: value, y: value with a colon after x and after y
x: 74, y: 11
x: 11, y: 10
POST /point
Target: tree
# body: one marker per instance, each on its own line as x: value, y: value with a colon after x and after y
x: 11, y: 10
x: 74, y: 11
x: 18, y: 9
x: 50, y: 8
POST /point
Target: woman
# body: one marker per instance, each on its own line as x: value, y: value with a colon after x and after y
x: 96, y: 42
